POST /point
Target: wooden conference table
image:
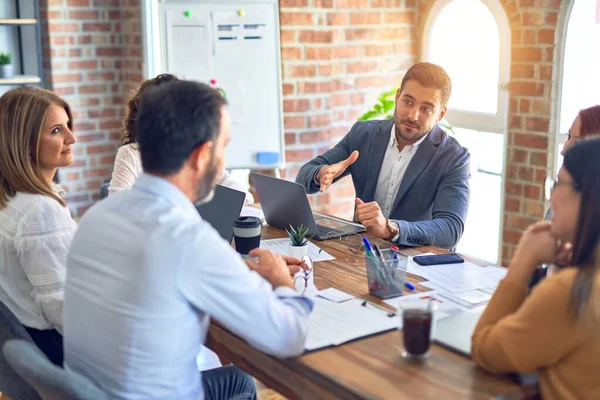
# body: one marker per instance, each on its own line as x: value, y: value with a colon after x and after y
x: 368, y: 368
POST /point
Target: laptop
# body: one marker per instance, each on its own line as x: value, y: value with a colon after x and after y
x: 285, y: 203
x: 455, y: 331
x: 222, y: 210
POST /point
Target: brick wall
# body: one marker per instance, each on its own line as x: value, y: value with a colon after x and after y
x: 337, y: 57
x: 92, y: 57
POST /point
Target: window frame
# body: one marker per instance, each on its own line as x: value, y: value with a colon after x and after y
x: 494, y: 123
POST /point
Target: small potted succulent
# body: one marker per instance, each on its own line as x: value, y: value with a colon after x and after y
x: 299, y: 244
x: 6, y: 67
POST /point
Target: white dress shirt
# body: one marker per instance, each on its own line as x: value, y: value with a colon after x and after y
x: 128, y: 166
x: 35, y: 234
x: 392, y: 172
x: 146, y: 273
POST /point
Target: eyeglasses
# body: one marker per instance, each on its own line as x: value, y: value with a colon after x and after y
x: 304, y: 275
x: 354, y: 242
x: 569, y: 136
x: 552, y: 183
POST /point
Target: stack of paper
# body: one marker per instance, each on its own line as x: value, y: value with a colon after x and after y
x: 465, y: 284
x: 331, y: 323
x: 282, y: 246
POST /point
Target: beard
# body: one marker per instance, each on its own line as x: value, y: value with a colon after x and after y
x: 414, y: 132
x: 206, y: 186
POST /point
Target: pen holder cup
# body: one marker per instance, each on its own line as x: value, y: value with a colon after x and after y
x: 386, y: 277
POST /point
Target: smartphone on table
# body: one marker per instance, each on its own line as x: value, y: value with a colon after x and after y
x: 437, y: 259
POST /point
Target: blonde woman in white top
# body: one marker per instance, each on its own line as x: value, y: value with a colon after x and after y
x: 36, y: 227
x: 128, y: 162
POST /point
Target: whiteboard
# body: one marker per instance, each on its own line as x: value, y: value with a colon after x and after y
x: 233, y: 46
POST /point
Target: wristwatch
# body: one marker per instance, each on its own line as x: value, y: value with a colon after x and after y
x: 394, y: 228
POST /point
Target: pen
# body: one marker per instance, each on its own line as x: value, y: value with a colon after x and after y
x: 389, y: 313
x: 379, y: 253
x: 395, y: 248
x: 368, y: 247
x: 409, y: 286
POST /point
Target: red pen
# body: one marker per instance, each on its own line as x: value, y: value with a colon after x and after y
x: 395, y: 248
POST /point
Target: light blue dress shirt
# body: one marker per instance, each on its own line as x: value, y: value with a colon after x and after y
x: 144, y: 274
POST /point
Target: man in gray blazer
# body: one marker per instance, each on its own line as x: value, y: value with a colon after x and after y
x: 411, y: 178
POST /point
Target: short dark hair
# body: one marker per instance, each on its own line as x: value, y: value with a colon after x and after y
x: 173, y: 120
x: 430, y: 76
x: 583, y: 164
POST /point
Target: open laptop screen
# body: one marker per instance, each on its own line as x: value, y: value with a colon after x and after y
x: 223, y: 210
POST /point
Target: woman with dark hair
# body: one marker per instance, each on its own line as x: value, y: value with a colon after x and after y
x: 36, y: 228
x: 128, y: 163
x: 555, y: 329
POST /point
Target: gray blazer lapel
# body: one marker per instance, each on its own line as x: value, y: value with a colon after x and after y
x: 381, y: 138
x: 418, y: 163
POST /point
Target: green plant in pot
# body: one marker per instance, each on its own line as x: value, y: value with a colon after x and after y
x: 384, y: 109
x: 299, y: 241
x: 6, y: 67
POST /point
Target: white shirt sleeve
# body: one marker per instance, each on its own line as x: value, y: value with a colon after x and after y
x: 219, y: 283
x: 227, y: 180
x: 128, y: 166
x: 42, y: 241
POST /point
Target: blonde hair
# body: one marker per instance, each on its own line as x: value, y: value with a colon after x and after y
x: 22, y: 115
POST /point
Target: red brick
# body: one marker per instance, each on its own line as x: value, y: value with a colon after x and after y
x: 288, y: 36
x: 296, y: 105
x: 101, y: 148
x: 346, y: 52
x: 361, y: 67
x: 116, y: 15
x: 293, y: 3
x: 319, y: 121
x: 366, y: 18
x: 287, y: 89
x: 526, y: 54
x: 551, y: 17
x: 371, y: 82
x: 338, y: 18
x: 533, y: 192
x: 103, y: 113
x: 97, y: 27
x: 526, y: 174
x: 291, y: 53
x: 62, y: 91
x: 109, y: 51
x: 57, y: 27
x: 378, y: 50
x: 89, y: 64
x: 83, y: 14
x: 110, y: 124
x: 324, y: 69
x: 341, y: 99
x: 93, y: 137
x: 92, y: 89
x: 511, y: 237
x: 528, y: 37
x: 527, y: 89
x: 318, y: 53
x: 516, y: 122
x: 387, y: 3
x: 74, y: 53
x: 102, y: 76
x: 296, y: 122
x: 315, y: 36
x: 290, y: 138
x: 314, y: 87
x: 403, y: 17
x: 97, y: 172
x: 533, y: 18
x: 72, y: 176
x: 107, y: 160
x: 323, y: 3
x: 296, y: 18
x: 357, y: 98
x: 537, y: 124
x: 77, y: 3
x: 59, y: 78
x: 314, y: 137
x: 302, y: 71
x: 514, y: 189
x: 512, y: 204
x: 538, y: 158
x: 518, y: 71
x: 546, y: 36
x: 519, y: 222
x: 524, y: 106
x: 531, y: 141
x: 364, y: 4
x: 545, y: 72
x: 83, y: 126
x: 299, y: 155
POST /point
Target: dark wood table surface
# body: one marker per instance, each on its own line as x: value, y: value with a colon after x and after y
x: 367, y: 368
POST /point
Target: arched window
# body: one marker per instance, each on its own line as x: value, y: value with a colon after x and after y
x: 470, y: 39
x: 580, y: 83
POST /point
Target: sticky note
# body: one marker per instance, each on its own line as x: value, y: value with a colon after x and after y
x: 267, y: 157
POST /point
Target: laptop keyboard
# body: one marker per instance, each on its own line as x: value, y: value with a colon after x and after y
x: 324, y: 231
